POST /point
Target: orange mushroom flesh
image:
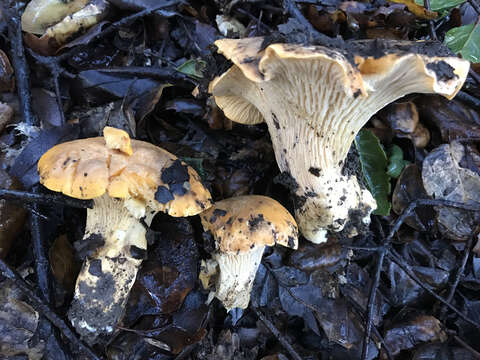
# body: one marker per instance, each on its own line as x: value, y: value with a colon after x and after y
x: 314, y: 100
x: 241, y: 228
x: 129, y: 181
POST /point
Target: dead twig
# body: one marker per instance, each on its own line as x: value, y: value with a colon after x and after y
x: 458, y: 275
x: 371, y: 303
x: 12, y: 14
x: 433, y: 34
x: 40, y: 306
x: 47, y: 199
x: 474, y: 352
x: 281, y: 339
x: 468, y: 99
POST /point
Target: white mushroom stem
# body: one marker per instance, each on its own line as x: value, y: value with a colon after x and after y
x: 313, y: 116
x: 106, y: 278
x: 236, y: 276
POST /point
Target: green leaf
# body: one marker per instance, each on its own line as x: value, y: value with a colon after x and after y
x: 374, y: 164
x: 439, y: 5
x: 193, y: 68
x: 396, y: 163
x: 465, y: 40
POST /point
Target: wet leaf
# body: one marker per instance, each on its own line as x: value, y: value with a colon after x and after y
x: 409, y: 333
x: 64, y: 266
x: 18, y: 325
x: 374, y: 164
x: 6, y: 115
x: 311, y: 257
x: 465, y: 40
x: 441, y: 351
x: 444, y: 178
x: 96, y: 86
x: 169, y: 273
x: 7, y: 79
x: 452, y: 118
x: 25, y: 165
x: 12, y: 216
x: 45, y: 105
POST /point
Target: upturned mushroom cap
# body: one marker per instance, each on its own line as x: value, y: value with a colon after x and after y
x: 242, y: 223
x: 315, y: 99
x: 89, y: 168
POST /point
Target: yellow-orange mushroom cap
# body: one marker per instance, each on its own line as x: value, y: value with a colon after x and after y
x: 89, y: 168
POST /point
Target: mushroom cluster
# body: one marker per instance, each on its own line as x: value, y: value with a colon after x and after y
x: 129, y: 181
x: 315, y: 99
x: 241, y: 228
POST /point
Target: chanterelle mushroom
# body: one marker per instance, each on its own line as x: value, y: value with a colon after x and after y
x: 315, y: 99
x: 241, y: 227
x: 128, y: 180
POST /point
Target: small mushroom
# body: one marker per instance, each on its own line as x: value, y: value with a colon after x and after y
x: 129, y: 181
x: 315, y: 99
x: 241, y: 227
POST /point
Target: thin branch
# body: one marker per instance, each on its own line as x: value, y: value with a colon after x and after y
x: 40, y: 306
x: 468, y: 99
x: 47, y: 199
x: 281, y: 339
x: 371, y: 303
x: 459, y: 274
x: 12, y: 14
x: 474, y: 352
x: 433, y: 34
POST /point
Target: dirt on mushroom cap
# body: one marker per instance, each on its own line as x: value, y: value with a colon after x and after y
x: 87, y: 168
x: 241, y: 223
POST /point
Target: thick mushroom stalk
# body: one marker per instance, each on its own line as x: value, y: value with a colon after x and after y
x: 242, y: 227
x: 108, y: 274
x: 129, y: 181
x: 314, y: 101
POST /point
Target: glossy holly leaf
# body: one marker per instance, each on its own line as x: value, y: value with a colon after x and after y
x: 465, y: 40
x: 374, y: 164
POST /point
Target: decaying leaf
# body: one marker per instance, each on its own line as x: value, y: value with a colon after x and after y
x: 7, y: 80
x: 40, y: 14
x: 64, y: 266
x: 18, y: 324
x: 452, y: 118
x: 12, y: 216
x: 409, y: 333
x: 58, y: 34
x: 6, y: 115
x: 444, y: 178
